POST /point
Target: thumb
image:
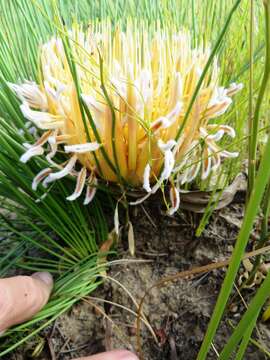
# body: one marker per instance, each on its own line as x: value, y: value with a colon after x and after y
x: 112, y: 355
x: 21, y: 297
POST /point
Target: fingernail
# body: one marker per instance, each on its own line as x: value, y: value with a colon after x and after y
x: 46, y: 277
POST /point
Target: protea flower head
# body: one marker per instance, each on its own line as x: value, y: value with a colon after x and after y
x: 124, y: 125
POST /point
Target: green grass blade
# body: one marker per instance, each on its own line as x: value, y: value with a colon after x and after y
x: 251, y: 212
x: 248, y: 320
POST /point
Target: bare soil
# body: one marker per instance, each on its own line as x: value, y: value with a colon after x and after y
x: 178, y: 311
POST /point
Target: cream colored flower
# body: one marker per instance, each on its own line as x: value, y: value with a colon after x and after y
x: 137, y: 96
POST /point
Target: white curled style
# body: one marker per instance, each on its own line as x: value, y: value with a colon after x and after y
x: 42, y: 120
x: 91, y: 190
x: 82, y: 148
x: 175, y: 200
x: 116, y: 220
x: 79, y: 185
x: 63, y: 172
x: 30, y: 92
x: 146, y: 178
x: 40, y: 177
x: 32, y: 151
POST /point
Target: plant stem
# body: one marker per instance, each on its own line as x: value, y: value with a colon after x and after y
x: 246, y: 339
x: 250, y: 100
x: 264, y: 233
x: 247, y: 320
x: 252, y: 169
x: 255, y: 123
